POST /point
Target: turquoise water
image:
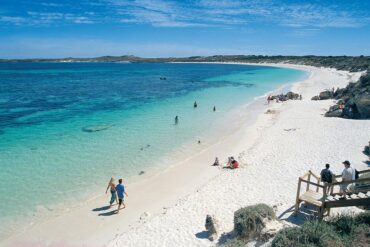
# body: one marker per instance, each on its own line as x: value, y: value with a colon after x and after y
x: 48, y: 157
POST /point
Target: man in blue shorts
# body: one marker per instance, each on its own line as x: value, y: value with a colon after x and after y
x: 120, y: 189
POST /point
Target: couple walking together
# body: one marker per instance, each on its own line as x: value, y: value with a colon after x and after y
x: 117, y: 191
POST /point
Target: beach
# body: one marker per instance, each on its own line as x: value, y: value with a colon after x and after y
x: 168, y: 207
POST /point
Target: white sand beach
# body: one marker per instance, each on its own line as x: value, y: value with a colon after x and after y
x: 169, y: 208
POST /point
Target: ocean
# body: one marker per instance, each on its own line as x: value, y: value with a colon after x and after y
x: 66, y: 128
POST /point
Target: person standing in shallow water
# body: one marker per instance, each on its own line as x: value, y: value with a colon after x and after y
x: 176, y: 120
x: 214, y: 108
x: 112, y: 187
x: 195, y: 104
x: 120, y: 190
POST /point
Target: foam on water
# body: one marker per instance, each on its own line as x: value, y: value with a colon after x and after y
x: 47, y: 160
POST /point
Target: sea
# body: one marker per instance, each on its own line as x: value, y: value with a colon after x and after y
x: 66, y: 128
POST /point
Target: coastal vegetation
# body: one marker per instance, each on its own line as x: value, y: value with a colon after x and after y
x: 349, y: 63
x: 342, y: 230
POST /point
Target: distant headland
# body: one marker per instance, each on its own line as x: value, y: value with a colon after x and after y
x: 349, y: 63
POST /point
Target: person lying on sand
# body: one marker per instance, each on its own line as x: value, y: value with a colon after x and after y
x: 120, y: 190
x: 112, y: 187
x: 232, y: 164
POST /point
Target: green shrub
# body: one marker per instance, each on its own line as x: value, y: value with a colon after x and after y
x: 343, y: 230
x: 248, y: 221
x: 363, y: 218
x: 234, y: 243
x: 312, y: 233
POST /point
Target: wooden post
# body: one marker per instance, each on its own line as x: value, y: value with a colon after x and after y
x: 317, y: 187
x: 297, y: 198
x: 309, y: 179
x: 322, y: 208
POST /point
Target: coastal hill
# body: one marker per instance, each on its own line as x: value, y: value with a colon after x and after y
x: 349, y: 63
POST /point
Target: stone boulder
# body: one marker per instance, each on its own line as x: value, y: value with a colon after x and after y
x: 362, y: 103
x: 335, y: 113
x: 315, y: 98
x: 212, y: 227
x: 292, y: 96
x: 326, y: 95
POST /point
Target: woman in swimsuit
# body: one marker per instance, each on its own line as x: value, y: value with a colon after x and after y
x: 112, y: 187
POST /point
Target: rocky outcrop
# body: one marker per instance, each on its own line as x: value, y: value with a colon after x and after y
x: 326, y: 95
x: 334, y: 111
x: 353, y: 100
x: 212, y: 227
x: 285, y: 97
x: 315, y: 98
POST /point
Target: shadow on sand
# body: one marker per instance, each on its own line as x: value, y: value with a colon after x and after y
x: 305, y: 212
x: 110, y: 213
x: 202, y: 235
x: 101, y: 209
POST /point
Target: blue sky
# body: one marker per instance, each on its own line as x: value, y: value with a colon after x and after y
x: 158, y: 28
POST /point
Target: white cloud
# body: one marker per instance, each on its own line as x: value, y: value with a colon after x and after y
x: 197, y: 13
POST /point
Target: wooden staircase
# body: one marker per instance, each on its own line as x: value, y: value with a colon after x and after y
x: 323, y: 197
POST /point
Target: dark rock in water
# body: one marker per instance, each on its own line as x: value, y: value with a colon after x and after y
x: 141, y: 172
x: 315, y: 98
x: 95, y: 128
x: 326, y: 95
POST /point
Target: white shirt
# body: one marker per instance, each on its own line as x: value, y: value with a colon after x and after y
x: 348, y: 174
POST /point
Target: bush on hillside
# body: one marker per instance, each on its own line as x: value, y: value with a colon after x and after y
x: 248, y: 221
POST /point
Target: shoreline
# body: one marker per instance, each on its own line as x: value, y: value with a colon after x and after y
x: 178, y: 174
x: 137, y: 184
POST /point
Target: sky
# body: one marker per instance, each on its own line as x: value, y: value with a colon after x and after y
x: 159, y: 28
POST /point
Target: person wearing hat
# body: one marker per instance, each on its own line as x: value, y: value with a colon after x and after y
x: 348, y: 174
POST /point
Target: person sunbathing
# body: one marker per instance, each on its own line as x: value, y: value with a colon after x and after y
x: 232, y: 164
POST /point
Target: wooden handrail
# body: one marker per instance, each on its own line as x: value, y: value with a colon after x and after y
x: 312, y: 183
x: 351, y: 182
x: 313, y: 174
x: 359, y: 172
x: 305, y: 175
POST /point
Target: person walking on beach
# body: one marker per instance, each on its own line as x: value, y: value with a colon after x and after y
x: 348, y: 174
x: 112, y: 187
x: 327, y: 176
x: 120, y: 190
